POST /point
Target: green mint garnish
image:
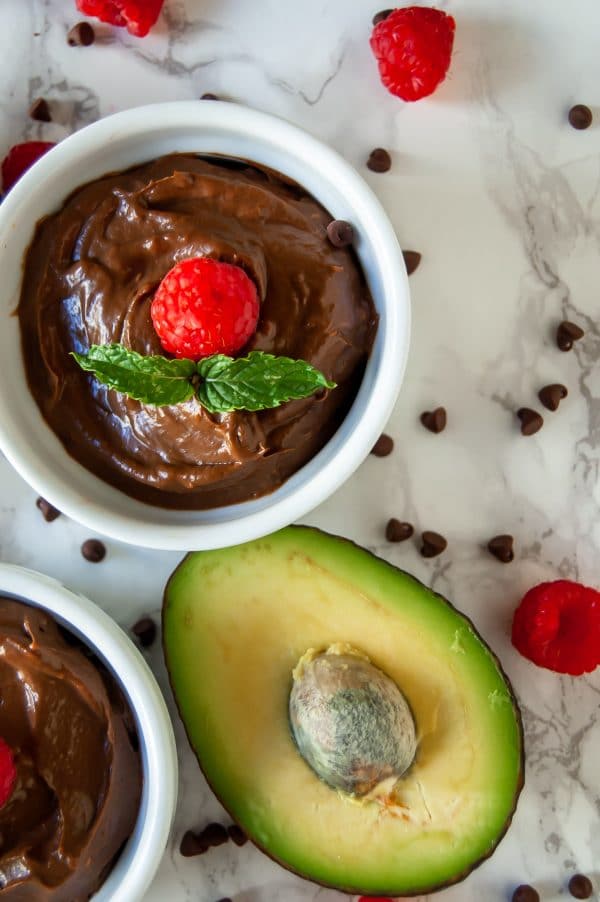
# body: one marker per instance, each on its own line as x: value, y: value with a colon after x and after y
x: 255, y: 382
x: 220, y: 383
x: 154, y: 380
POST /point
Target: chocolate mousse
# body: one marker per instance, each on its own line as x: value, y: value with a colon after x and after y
x: 90, y: 275
x: 79, y: 778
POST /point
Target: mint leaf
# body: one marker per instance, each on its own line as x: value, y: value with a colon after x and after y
x: 153, y: 380
x: 255, y: 382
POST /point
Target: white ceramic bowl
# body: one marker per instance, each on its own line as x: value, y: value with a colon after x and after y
x: 138, y: 135
x: 139, y: 860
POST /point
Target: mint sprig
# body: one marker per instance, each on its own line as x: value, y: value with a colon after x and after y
x: 220, y: 383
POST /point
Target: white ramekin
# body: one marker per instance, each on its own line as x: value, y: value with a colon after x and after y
x: 136, y: 136
x: 141, y: 857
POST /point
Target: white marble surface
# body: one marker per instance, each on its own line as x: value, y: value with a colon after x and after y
x: 502, y: 198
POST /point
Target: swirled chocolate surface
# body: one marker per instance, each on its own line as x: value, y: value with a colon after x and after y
x: 89, y: 278
x: 79, y: 775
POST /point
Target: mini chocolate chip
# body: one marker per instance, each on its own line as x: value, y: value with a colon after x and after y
x: 381, y: 16
x: 191, y: 844
x: 580, y: 886
x: 93, y: 550
x: 379, y: 160
x: 145, y: 631
x: 411, y: 261
x: 383, y: 446
x: 397, y: 531
x: 224, y: 899
x: 531, y: 421
x: 434, y: 420
x: 81, y: 35
x: 209, y: 96
x: 525, y: 893
x: 237, y: 835
x: 580, y: 116
x: 567, y: 333
x: 552, y: 395
x: 49, y: 512
x: 502, y: 548
x: 433, y: 544
x: 214, y: 835
x: 340, y: 233
x: 40, y: 111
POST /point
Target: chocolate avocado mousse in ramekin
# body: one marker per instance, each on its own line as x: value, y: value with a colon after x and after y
x: 213, y: 319
x: 90, y: 277
x: 87, y: 755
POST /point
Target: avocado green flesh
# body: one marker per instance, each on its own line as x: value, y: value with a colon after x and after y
x: 237, y: 620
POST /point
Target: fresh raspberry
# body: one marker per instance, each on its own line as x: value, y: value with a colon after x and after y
x: 8, y: 773
x: 557, y: 625
x: 19, y: 158
x: 374, y: 899
x: 138, y: 16
x: 205, y: 307
x: 413, y: 46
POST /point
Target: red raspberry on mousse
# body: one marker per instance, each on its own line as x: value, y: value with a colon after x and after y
x: 204, y: 307
x: 8, y: 773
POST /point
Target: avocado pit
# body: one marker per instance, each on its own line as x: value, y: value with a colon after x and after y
x: 350, y: 721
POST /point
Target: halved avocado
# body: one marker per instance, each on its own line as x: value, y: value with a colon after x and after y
x: 238, y: 621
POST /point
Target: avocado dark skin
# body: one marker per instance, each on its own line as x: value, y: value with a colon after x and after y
x: 521, y: 778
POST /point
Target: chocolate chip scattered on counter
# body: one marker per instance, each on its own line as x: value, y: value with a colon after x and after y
x: 199, y: 843
x: 531, y: 421
x: 433, y: 544
x: 383, y: 446
x: 580, y: 886
x: 525, y: 893
x: 502, y: 548
x: 398, y: 531
x: 552, y: 395
x: 40, y: 111
x: 237, y: 835
x: 340, y: 233
x: 191, y: 844
x: 145, y: 631
x: 49, y: 512
x: 380, y: 16
x: 379, y: 160
x: 224, y: 899
x: 81, y: 35
x: 434, y: 420
x: 411, y: 261
x: 209, y: 96
x: 580, y: 116
x: 214, y: 835
x: 567, y: 333
x: 93, y: 550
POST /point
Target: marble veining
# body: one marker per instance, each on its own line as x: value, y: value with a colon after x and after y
x: 501, y: 197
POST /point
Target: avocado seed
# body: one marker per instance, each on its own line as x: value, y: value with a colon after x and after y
x: 350, y: 722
